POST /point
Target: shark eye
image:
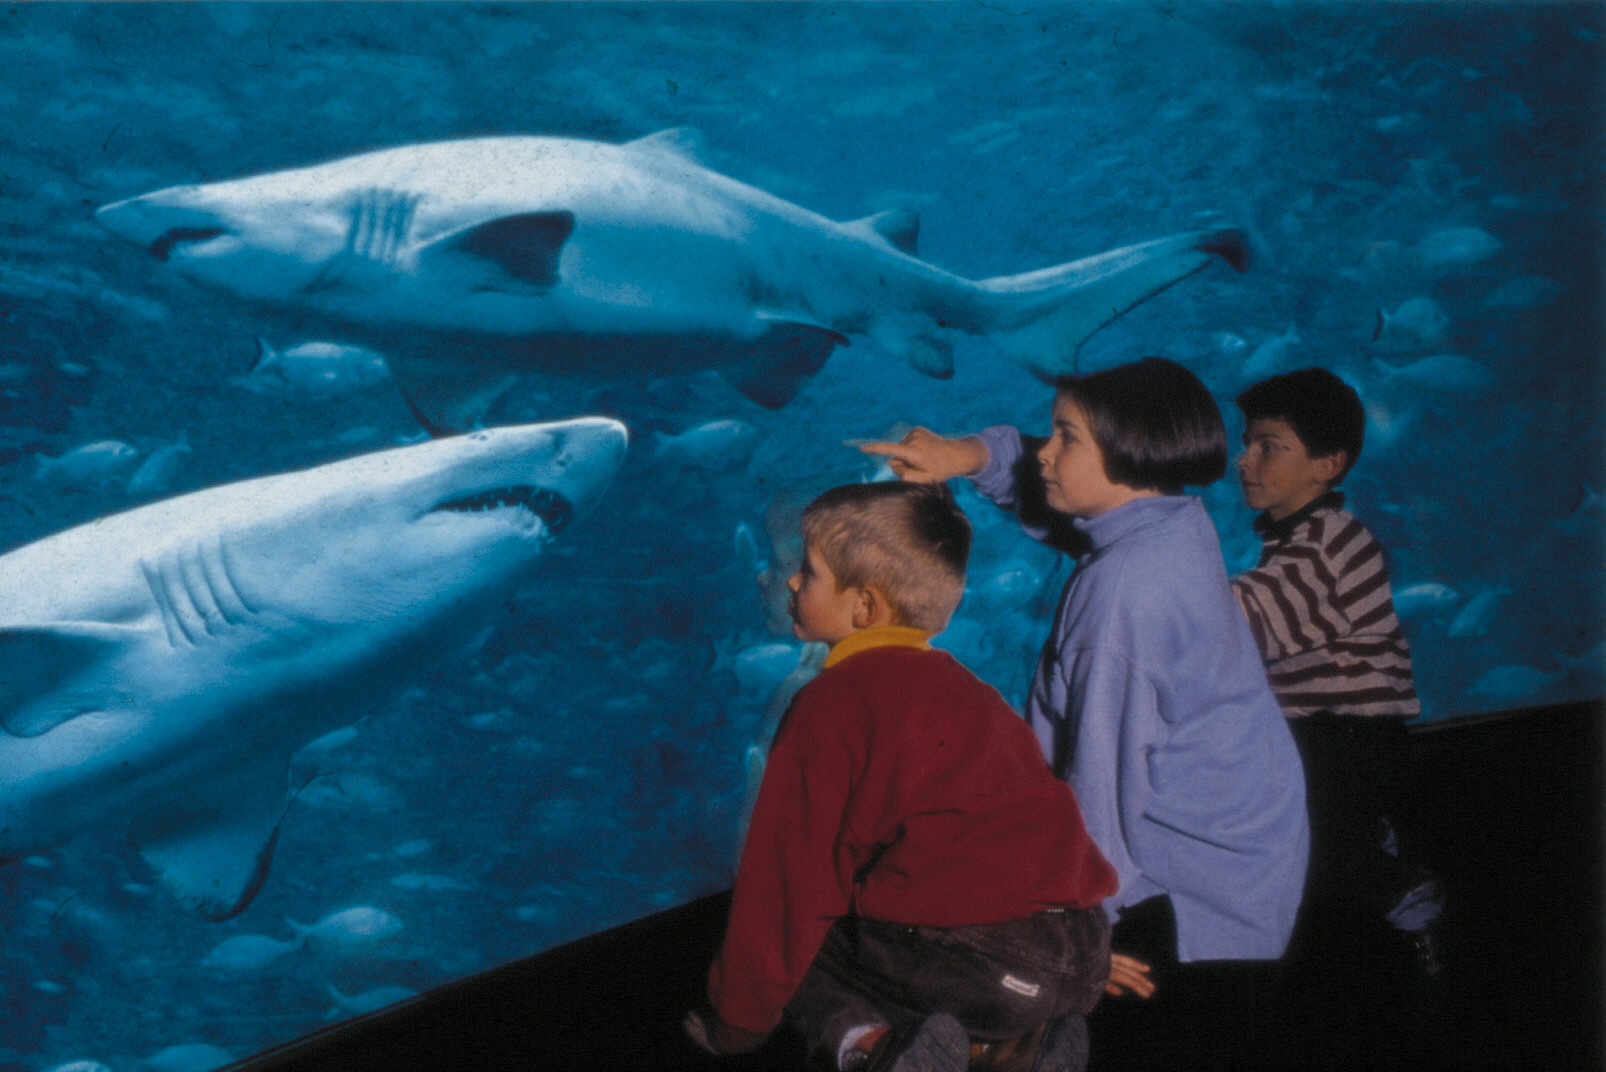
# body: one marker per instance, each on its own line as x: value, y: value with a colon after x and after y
x: 553, y: 509
x: 164, y: 245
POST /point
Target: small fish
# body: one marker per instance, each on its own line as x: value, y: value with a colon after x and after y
x: 745, y: 544
x: 760, y: 668
x: 248, y: 952
x: 1457, y: 247
x: 316, y: 368
x: 1415, y: 322
x: 1423, y: 599
x: 1475, y: 618
x: 1523, y: 292
x: 379, y: 997
x: 1592, y: 661
x: 713, y: 445
x: 419, y: 880
x: 1385, y: 426
x: 1009, y: 589
x: 187, y: 1057
x: 350, y: 926
x: 1512, y: 684
x: 1271, y: 355
x: 155, y: 474
x: 1441, y: 372
x: 92, y: 464
x: 1229, y: 344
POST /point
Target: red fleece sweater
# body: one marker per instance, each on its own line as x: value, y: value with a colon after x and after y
x: 903, y: 788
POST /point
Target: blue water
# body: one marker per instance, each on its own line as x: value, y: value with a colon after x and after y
x: 586, y: 765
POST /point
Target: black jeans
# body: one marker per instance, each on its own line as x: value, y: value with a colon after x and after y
x: 999, y: 980
x: 1204, y: 1016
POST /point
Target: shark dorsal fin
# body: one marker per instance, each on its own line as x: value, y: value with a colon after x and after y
x: 525, y: 247
x: 899, y: 226
x: 684, y: 142
x: 35, y: 662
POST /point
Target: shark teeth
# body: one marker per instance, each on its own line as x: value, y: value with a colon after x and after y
x: 553, y: 509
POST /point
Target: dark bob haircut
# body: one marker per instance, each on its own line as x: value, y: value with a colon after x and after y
x: 1155, y: 423
x: 1324, y: 411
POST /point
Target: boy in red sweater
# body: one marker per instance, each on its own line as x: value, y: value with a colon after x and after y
x: 917, y: 889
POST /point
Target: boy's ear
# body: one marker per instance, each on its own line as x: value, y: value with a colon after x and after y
x: 1328, y: 466
x: 872, y: 608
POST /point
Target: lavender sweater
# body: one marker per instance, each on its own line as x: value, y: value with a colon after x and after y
x: 1151, y: 701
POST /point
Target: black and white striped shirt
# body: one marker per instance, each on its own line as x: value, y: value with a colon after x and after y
x: 1322, y: 614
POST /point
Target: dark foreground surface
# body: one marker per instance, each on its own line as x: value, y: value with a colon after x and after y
x: 1513, y: 822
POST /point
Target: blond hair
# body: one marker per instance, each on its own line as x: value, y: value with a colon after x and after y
x: 909, y: 540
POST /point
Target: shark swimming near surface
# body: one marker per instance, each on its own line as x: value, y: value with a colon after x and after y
x: 159, y: 667
x: 469, y: 263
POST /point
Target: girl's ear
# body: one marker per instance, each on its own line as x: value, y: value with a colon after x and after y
x: 1328, y: 466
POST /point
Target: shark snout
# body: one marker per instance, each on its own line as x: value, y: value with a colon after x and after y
x: 158, y: 224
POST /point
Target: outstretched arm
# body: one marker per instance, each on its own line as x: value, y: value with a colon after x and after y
x: 924, y: 457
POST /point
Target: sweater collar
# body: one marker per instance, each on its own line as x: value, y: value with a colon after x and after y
x: 881, y: 636
x: 1129, y: 517
x: 1276, y: 531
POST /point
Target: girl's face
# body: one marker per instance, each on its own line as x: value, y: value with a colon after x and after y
x: 1073, y: 466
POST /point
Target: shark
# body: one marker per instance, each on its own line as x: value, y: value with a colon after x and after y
x: 159, y: 667
x: 471, y: 262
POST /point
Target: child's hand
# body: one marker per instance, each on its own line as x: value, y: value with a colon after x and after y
x: 1128, y: 976
x: 924, y: 457
x: 717, y: 1037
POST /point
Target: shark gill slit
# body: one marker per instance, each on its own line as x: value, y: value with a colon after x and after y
x: 159, y: 593
x: 171, y: 571
x: 198, y: 587
x: 214, y: 562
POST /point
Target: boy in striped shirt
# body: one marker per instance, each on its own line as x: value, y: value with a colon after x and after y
x: 1321, y: 611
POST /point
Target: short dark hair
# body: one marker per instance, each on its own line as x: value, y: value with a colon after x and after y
x: 912, y: 541
x: 1324, y: 411
x: 1155, y: 423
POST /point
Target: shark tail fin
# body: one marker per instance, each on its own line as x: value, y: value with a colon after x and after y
x: 1040, y: 319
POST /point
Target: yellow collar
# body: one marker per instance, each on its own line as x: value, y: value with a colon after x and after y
x: 881, y: 636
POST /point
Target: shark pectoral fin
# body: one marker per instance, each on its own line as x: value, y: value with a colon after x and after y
x: 523, y: 250
x: 899, y: 226
x: 212, y: 850
x: 37, y: 661
x: 684, y: 142
x: 448, y: 397
x: 789, y: 352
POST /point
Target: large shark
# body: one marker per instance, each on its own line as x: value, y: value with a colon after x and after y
x: 470, y: 262
x: 159, y: 667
